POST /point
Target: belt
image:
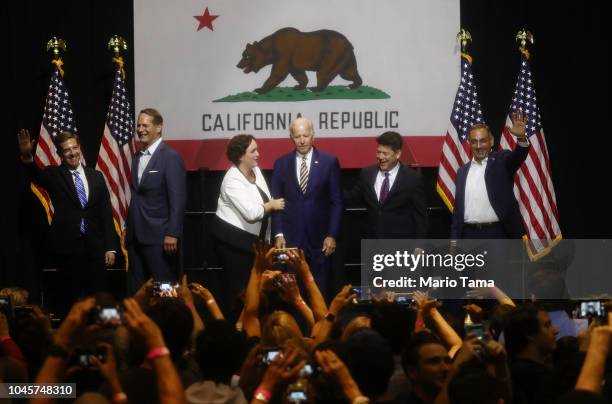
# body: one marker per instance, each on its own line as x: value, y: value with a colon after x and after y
x: 481, y: 226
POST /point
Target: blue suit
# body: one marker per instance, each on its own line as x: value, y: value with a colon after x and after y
x: 499, y: 179
x: 309, y: 217
x: 156, y: 210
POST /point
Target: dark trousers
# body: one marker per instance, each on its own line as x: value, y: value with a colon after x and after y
x: 233, y: 279
x: 149, y: 261
x: 79, y: 274
x: 492, y: 231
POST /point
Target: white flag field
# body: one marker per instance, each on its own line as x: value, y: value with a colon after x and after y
x: 357, y: 68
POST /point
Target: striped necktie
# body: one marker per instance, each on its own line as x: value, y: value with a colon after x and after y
x: 80, y: 189
x: 303, y: 175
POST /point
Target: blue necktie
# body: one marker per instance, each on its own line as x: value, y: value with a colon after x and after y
x: 384, y: 190
x: 80, y: 188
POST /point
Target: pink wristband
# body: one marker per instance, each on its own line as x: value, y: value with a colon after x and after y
x: 190, y: 305
x: 158, y: 352
x: 5, y: 338
x: 210, y: 301
x: 419, y: 324
x: 300, y: 303
x: 263, y: 392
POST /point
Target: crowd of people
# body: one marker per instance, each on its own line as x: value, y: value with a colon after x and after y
x: 290, y: 346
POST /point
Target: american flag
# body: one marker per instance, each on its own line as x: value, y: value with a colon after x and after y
x: 533, y: 185
x: 117, y: 148
x: 57, y: 117
x: 456, y: 149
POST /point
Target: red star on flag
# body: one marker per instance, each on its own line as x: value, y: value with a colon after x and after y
x: 205, y: 20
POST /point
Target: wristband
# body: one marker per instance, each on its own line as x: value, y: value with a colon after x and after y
x: 419, y: 324
x: 308, y: 280
x: 190, y: 305
x: 119, y: 398
x: 361, y: 400
x: 300, y: 303
x: 5, y: 338
x: 210, y: 301
x: 262, y: 395
x: 157, y: 352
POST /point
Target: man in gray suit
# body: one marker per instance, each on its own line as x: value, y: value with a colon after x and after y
x: 155, y: 216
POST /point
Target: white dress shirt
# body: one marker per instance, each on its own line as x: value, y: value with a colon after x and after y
x: 145, y: 157
x: 478, y: 208
x: 380, y: 177
x: 240, y: 202
x: 81, y: 172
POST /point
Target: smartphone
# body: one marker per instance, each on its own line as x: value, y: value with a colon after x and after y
x: 5, y: 306
x: 297, y: 396
x: 281, y: 255
x: 165, y: 289
x: 590, y: 309
x: 476, y: 329
x: 267, y: 355
x: 84, y: 357
x: 402, y: 299
x: 310, y: 370
x: 110, y: 316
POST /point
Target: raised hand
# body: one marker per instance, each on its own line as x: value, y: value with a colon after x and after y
x: 263, y: 256
x: 519, y: 124
x: 26, y: 144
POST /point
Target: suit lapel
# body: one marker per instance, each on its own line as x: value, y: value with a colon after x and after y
x: 399, y: 177
x: 69, y: 184
x: 90, y: 175
x: 151, y: 163
x: 371, y: 183
x: 293, y: 171
x: 136, y: 163
x: 313, y: 172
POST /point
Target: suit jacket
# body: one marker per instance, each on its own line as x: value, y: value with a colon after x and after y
x: 158, y: 202
x: 403, y: 214
x: 308, y: 217
x: 499, y: 179
x: 100, y: 235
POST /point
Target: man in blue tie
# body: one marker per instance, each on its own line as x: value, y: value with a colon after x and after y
x: 82, y: 239
x: 309, y: 180
x: 392, y: 193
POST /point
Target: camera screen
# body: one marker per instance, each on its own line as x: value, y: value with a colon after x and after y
x: 267, y: 356
x: 109, y: 314
x: 592, y: 309
x: 4, y: 301
x: 297, y: 396
x: 476, y: 329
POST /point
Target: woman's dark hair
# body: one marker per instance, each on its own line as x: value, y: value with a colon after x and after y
x: 237, y: 146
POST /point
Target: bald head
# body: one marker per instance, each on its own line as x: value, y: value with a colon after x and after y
x: 302, y: 134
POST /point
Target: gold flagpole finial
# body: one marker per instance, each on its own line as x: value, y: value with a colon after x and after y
x: 464, y: 38
x: 117, y: 44
x: 523, y: 37
x: 56, y: 45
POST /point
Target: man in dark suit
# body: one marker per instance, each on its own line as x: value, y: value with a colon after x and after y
x: 392, y: 193
x: 82, y: 238
x: 485, y: 205
x: 309, y: 180
x: 155, y: 216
